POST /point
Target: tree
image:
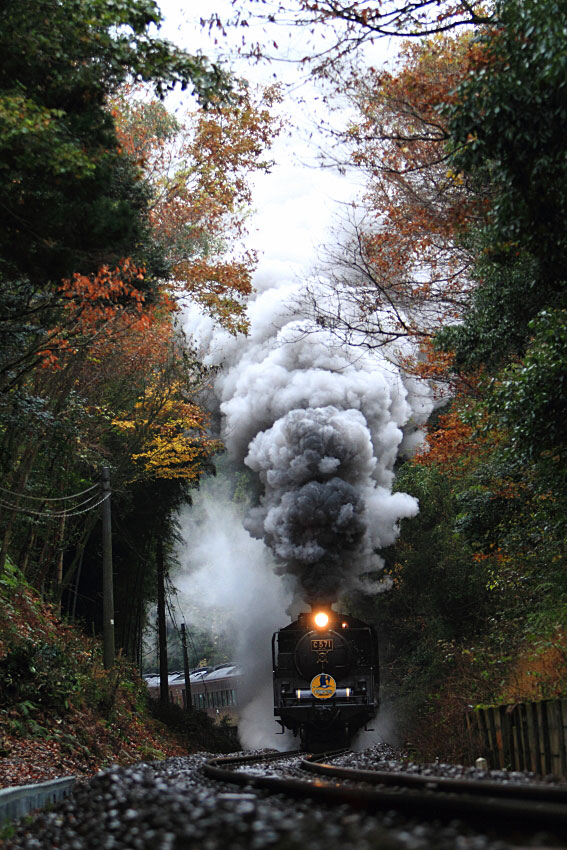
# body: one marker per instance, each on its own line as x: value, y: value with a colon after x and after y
x: 529, y: 399
x: 199, y: 169
x: 89, y: 330
x: 66, y: 193
x: 346, y: 27
x: 498, y: 135
x: 507, y: 125
x: 403, y: 267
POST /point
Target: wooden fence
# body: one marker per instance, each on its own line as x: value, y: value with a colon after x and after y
x: 524, y: 736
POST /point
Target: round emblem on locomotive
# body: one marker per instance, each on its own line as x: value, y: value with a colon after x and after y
x: 323, y: 686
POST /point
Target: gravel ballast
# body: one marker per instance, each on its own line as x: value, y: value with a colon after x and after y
x: 170, y: 805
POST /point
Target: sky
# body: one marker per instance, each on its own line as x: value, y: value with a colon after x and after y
x: 297, y: 202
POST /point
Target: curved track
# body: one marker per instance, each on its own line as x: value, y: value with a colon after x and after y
x: 500, y: 805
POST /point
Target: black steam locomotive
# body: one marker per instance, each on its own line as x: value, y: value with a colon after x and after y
x: 325, y: 678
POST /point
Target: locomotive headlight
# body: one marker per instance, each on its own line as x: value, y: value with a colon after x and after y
x: 321, y: 619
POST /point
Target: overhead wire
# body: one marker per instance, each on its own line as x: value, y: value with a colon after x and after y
x: 58, y: 514
x: 52, y: 498
x: 172, y: 592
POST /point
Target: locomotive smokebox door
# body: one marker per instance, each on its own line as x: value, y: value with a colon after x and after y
x: 318, y: 651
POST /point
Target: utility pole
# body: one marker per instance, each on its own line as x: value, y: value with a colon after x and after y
x: 162, y: 631
x: 107, y: 579
x: 60, y: 562
x: 188, y: 700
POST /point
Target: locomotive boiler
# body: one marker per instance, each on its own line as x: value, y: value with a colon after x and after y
x: 326, y: 678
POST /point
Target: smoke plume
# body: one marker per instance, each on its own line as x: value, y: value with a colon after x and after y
x: 228, y: 578
x: 321, y: 425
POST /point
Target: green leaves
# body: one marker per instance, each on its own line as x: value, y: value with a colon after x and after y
x: 508, y: 125
x: 66, y: 193
x: 530, y: 397
x: 495, y: 324
x: 101, y: 44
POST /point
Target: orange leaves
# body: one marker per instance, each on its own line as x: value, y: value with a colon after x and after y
x: 219, y: 288
x: 456, y: 446
x: 451, y: 441
x: 199, y: 169
x: 95, y: 305
x: 417, y: 207
x: 430, y: 365
x: 135, y: 344
x: 48, y: 359
x: 98, y: 298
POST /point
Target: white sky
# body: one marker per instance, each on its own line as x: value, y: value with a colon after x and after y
x: 297, y: 201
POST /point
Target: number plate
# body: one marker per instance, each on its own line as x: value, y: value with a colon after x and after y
x: 321, y: 644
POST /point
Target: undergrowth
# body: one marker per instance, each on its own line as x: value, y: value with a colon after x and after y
x: 61, y: 712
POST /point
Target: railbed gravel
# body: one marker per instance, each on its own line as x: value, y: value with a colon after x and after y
x: 384, y: 757
x: 171, y: 805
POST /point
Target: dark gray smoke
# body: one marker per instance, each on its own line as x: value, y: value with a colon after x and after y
x: 312, y: 516
x: 313, y: 532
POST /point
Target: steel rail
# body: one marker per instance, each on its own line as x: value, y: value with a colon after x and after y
x: 222, y: 768
x: 425, y: 802
x: 518, y: 791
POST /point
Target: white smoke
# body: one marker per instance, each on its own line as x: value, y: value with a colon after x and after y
x: 321, y: 424
x: 382, y: 729
x: 230, y: 575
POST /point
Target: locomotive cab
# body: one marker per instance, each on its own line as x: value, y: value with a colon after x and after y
x: 325, y: 677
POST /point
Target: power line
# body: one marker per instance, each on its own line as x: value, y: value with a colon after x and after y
x: 49, y: 499
x: 71, y: 512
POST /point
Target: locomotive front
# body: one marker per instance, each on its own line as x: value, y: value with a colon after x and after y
x: 325, y: 677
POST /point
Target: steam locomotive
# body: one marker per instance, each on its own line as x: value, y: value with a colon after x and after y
x: 326, y: 678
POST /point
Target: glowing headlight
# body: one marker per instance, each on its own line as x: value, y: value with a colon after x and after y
x: 321, y: 619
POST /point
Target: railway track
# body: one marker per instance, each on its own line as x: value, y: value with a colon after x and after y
x: 172, y: 804
x: 498, y: 805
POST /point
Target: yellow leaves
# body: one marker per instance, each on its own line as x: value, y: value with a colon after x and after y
x: 124, y: 424
x: 177, y: 456
x: 169, y: 434
x: 457, y: 179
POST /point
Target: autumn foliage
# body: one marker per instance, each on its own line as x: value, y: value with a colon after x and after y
x: 95, y: 369
x: 417, y: 208
x: 199, y: 168
x: 107, y: 302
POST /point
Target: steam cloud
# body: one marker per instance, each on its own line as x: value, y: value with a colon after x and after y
x: 227, y: 582
x: 322, y: 426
